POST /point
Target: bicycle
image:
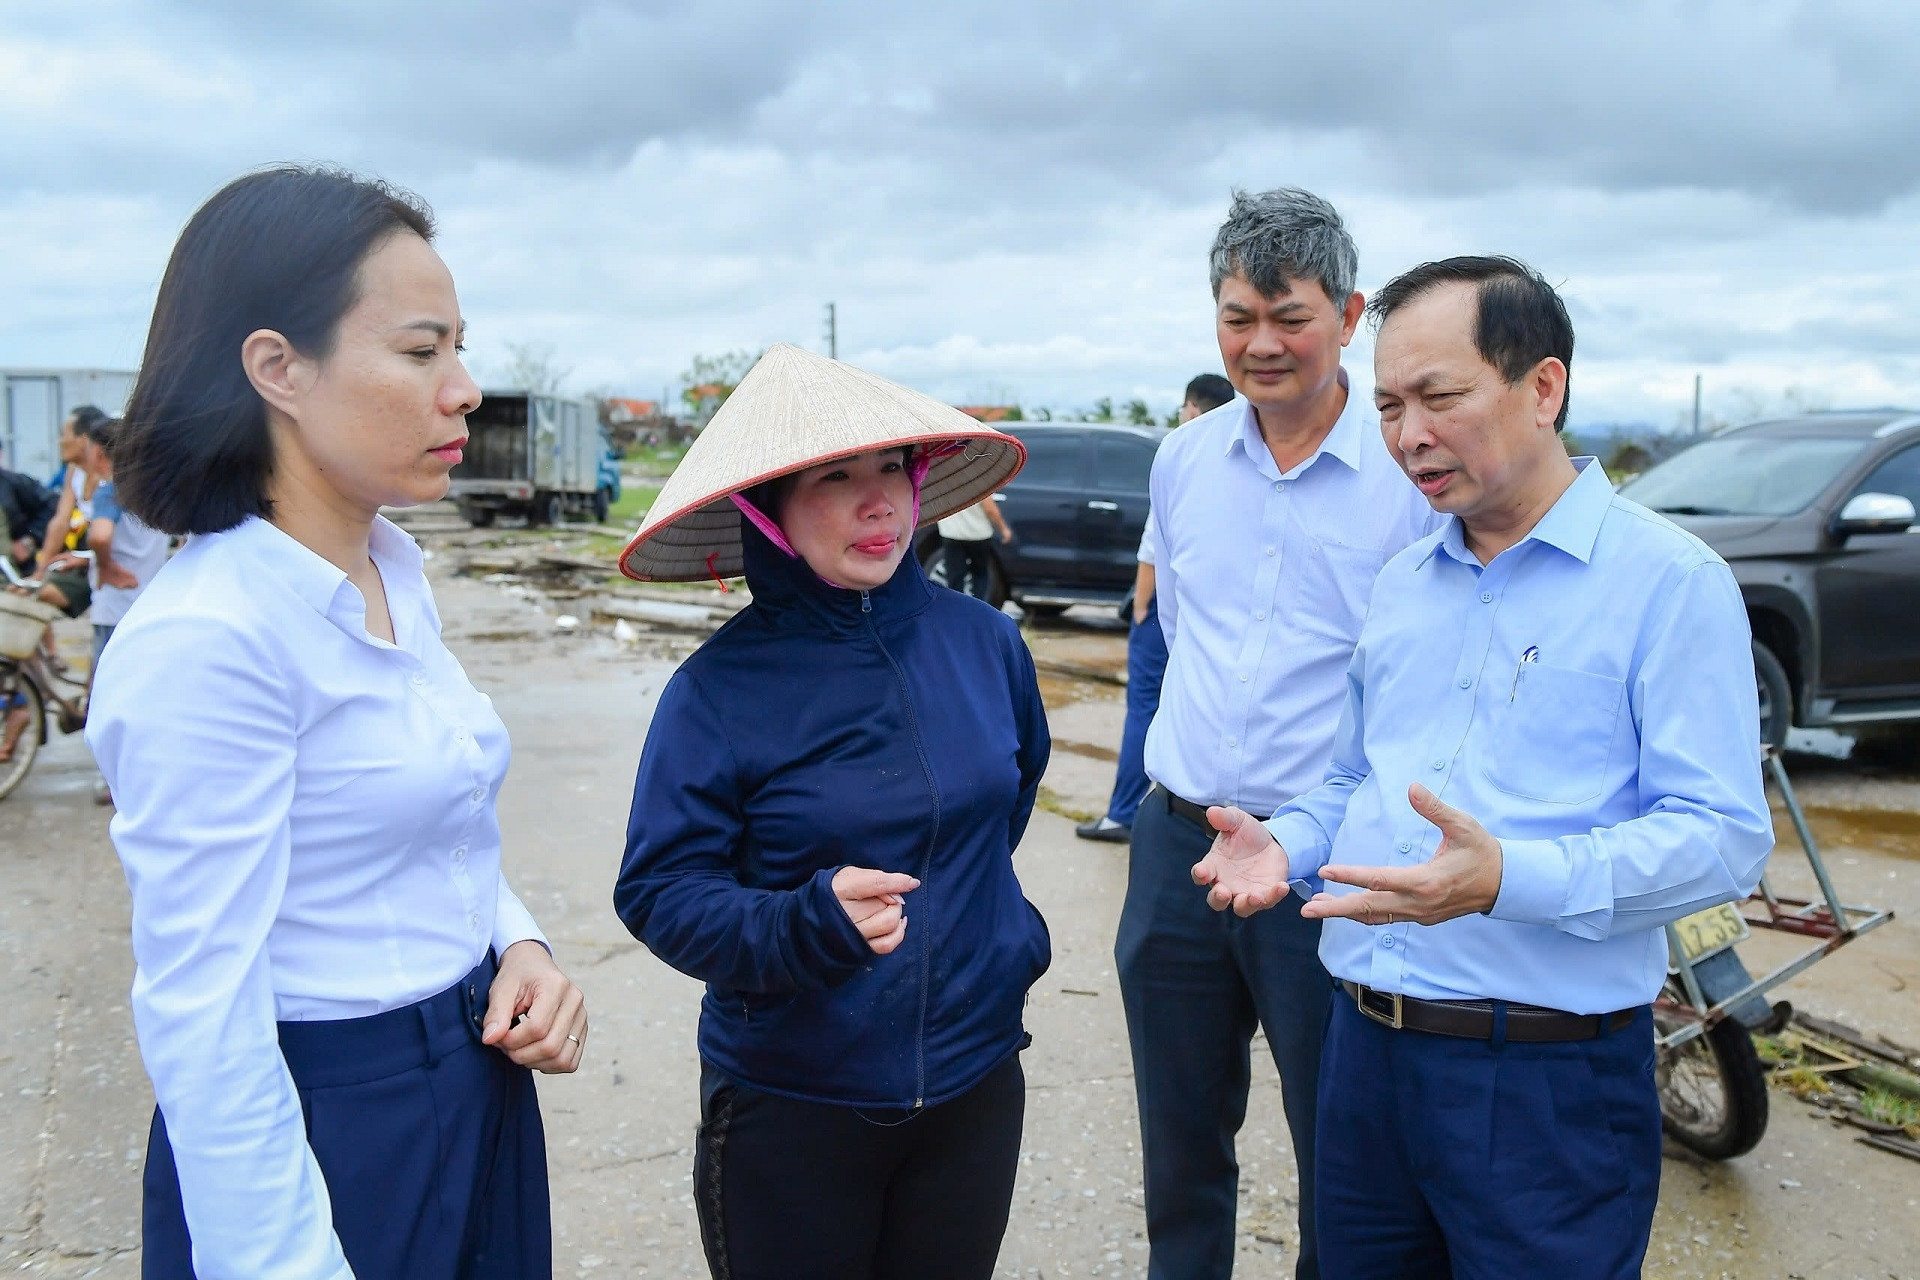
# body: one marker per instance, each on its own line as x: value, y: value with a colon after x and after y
x: 29, y: 683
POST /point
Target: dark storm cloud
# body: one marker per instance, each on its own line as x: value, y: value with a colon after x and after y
x: 1809, y: 105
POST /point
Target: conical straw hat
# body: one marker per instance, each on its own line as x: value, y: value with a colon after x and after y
x: 794, y: 410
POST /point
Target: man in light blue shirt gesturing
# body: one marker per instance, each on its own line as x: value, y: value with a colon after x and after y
x: 1550, y: 749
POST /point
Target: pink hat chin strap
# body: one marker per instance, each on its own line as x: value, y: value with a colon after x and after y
x: 916, y: 471
x: 764, y: 523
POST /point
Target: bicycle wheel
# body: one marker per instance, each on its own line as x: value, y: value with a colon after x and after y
x: 16, y: 688
x: 1713, y: 1088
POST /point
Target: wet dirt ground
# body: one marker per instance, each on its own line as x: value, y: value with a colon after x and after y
x: 74, y: 1102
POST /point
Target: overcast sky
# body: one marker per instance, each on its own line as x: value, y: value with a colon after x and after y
x: 1010, y: 200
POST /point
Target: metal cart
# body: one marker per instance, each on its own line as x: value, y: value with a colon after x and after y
x: 1712, y: 1084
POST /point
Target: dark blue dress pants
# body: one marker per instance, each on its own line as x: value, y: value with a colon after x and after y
x: 1452, y: 1159
x: 1146, y: 668
x: 1196, y: 983
x: 430, y: 1142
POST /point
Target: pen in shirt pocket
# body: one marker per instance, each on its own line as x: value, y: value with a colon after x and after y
x: 1532, y: 654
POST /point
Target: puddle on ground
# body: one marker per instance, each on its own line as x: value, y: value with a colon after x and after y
x: 1889, y: 831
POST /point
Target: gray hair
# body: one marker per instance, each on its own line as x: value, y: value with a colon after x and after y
x: 1273, y: 238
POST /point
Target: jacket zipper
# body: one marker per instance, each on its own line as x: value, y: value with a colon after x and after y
x: 926, y: 861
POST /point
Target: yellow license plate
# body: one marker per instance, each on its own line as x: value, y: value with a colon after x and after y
x: 1715, y: 929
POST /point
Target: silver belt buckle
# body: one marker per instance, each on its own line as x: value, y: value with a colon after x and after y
x: 1386, y: 1014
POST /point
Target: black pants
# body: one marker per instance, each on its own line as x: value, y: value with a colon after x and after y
x: 791, y: 1190
x: 968, y: 569
x: 1196, y: 983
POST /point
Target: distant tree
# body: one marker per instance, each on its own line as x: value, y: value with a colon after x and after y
x: 1629, y: 458
x: 1042, y: 414
x: 1138, y: 414
x: 1015, y: 414
x: 709, y: 380
x: 1172, y: 419
x: 531, y: 367
x: 1102, y: 410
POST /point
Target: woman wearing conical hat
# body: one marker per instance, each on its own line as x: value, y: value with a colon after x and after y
x: 823, y: 831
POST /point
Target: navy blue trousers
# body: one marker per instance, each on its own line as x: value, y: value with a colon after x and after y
x: 430, y: 1142
x: 1452, y: 1159
x: 1146, y: 668
x: 1196, y: 983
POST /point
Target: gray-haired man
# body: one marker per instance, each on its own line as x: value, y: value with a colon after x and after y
x: 1271, y: 516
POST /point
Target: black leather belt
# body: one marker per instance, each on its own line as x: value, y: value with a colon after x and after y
x: 1194, y: 813
x: 1473, y: 1019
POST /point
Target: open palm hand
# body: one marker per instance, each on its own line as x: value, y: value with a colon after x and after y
x: 1246, y: 868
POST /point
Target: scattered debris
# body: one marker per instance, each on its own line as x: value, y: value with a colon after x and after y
x: 1868, y: 1085
x: 684, y: 617
x: 566, y: 622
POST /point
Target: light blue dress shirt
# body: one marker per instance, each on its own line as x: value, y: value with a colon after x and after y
x: 1589, y: 698
x: 1262, y: 581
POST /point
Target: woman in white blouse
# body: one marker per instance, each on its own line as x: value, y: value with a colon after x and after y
x: 338, y: 998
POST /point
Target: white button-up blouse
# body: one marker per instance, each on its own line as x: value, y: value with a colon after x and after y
x: 306, y: 818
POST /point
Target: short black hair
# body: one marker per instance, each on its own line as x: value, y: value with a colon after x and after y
x: 85, y: 415
x: 102, y: 430
x: 1521, y: 319
x: 279, y: 249
x: 1209, y: 391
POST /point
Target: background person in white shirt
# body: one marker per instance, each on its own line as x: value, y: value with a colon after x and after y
x: 1271, y: 516
x: 329, y: 962
x: 965, y: 535
x: 127, y: 551
x: 1146, y: 658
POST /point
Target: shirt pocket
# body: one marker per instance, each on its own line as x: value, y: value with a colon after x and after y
x: 1554, y: 736
x: 1336, y: 586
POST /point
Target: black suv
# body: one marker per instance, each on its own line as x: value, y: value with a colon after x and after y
x: 1816, y: 516
x: 1077, y: 510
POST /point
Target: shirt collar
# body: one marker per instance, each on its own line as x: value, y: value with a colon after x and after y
x: 318, y: 580
x: 1572, y: 523
x: 1344, y: 442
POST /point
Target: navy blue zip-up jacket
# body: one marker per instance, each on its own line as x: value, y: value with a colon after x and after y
x: 821, y: 728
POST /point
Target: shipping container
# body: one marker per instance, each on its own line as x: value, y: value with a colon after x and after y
x: 34, y: 402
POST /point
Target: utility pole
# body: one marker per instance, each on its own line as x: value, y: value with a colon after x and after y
x: 1696, y: 404
x: 833, y: 334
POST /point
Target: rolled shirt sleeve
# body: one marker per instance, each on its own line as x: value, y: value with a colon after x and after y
x: 1705, y: 829
x: 196, y: 738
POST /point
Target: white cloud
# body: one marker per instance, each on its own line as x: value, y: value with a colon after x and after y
x: 1005, y: 200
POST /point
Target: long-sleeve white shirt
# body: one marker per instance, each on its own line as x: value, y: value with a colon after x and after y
x: 306, y: 820
x: 1263, y: 580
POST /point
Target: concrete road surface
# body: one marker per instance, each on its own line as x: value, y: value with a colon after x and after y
x: 1809, y: 1202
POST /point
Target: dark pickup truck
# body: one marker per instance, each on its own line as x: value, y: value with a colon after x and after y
x: 1816, y: 516
x: 1077, y: 510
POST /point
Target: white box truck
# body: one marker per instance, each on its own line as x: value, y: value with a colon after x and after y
x: 532, y: 455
